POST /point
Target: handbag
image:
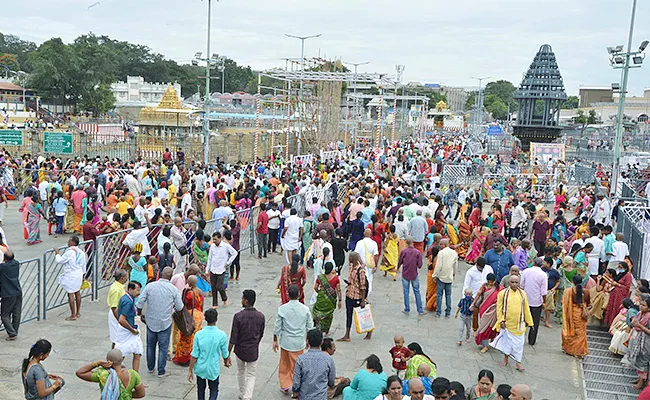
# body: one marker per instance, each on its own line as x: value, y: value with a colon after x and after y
x: 182, y: 250
x: 370, y: 259
x: 363, y: 321
x: 184, y: 320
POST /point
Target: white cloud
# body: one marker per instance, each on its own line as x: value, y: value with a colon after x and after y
x: 438, y: 41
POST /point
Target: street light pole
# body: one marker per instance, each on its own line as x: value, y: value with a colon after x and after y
x: 354, y: 92
x: 302, y: 69
x: 206, y: 121
x: 621, y: 105
x: 479, y: 104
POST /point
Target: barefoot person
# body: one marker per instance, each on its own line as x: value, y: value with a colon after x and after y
x: 73, y: 264
x: 355, y: 294
x: 513, y: 315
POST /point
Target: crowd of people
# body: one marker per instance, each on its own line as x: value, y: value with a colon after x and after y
x: 359, y: 215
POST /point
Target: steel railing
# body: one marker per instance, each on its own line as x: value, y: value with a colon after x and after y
x: 30, y: 283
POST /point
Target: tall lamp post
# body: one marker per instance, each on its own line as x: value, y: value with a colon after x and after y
x: 302, y: 69
x: 620, y: 60
x: 209, y: 63
x: 479, y: 105
x: 355, y: 109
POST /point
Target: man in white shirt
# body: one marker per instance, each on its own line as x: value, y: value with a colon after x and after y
x: 368, y: 247
x: 477, y: 275
x: 444, y: 272
x: 274, y: 227
x: 140, y: 209
x: 186, y: 201
x: 222, y: 215
x: 220, y: 256
x: 139, y: 235
x: 534, y: 282
x: 597, y: 253
x: 519, y: 216
x: 176, y: 177
x: 199, y: 182
x: 43, y: 189
x: 462, y: 196
x: 602, y: 210
x: 620, y: 250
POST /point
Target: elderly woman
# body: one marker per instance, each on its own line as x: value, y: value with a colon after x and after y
x: 484, y: 388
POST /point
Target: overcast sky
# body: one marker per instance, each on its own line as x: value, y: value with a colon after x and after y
x: 438, y: 41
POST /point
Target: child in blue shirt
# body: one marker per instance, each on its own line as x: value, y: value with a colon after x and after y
x: 465, y: 316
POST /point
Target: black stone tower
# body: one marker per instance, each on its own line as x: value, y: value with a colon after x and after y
x: 540, y: 96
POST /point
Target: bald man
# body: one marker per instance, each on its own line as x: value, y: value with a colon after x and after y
x: 369, y: 252
x: 416, y: 390
x: 99, y: 371
x: 521, y: 392
x: 161, y: 299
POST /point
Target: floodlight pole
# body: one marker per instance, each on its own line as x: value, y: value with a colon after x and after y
x: 621, y: 105
x: 354, y: 122
x: 302, y: 69
x: 206, y: 121
x: 479, y: 104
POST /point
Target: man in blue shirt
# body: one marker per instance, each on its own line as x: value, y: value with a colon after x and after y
x: 314, y: 372
x: 127, y: 338
x: 210, y: 344
x: 500, y: 259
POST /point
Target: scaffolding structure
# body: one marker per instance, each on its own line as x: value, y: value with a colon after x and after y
x: 418, y: 129
x: 316, y: 112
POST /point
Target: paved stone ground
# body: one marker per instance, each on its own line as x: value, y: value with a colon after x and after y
x: 551, y: 374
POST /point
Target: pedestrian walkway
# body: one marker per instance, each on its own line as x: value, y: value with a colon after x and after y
x: 605, y: 378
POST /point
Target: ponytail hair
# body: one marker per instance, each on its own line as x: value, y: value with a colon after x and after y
x: 41, y: 347
x: 577, y: 281
x: 295, y: 260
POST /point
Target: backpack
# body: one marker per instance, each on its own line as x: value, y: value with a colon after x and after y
x: 184, y: 320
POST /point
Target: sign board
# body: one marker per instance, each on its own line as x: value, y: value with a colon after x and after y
x: 546, y: 152
x: 11, y: 137
x: 57, y: 142
x: 494, y: 130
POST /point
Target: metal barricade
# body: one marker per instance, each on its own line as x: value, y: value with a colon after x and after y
x: 111, y: 255
x: 246, y: 219
x: 210, y: 226
x: 30, y: 283
x: 53, y: 294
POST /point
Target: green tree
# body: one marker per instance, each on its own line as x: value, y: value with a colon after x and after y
x: 571, y: 103
x: 497, y: 97
x: 55, y: 72
x: 98, y: 100
x: 20, y: 48
x: 585, y: 119
x: 10, y: 61
x: 496, y: 107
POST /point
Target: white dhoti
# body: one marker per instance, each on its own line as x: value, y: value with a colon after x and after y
x: 113, y: 326
x: 509, y: 344
x: 369, y: 277
x: 71, y: 281
x: 594, y: 265
x: 180, y: 261
x: 127, y: 342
